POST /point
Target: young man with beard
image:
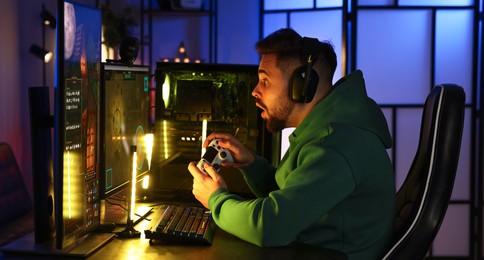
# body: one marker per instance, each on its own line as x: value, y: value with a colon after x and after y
x: 335, y: 185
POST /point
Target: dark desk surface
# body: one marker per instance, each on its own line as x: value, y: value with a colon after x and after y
x: 224, y: 246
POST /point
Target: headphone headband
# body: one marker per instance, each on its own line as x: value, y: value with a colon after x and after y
x: 310, y: 50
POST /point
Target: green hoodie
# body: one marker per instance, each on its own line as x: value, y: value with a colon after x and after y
x: 334, y: 187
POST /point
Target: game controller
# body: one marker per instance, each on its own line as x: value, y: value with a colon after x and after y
x: 214, y: 155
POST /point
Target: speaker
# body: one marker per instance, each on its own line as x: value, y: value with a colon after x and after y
x: 41, y: 123
x: 304, y: 79
x: 128, y: 50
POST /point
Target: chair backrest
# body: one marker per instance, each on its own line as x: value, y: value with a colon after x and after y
x: 423, y: 198
x: 14, y: 198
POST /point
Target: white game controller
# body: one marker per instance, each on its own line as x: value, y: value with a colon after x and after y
x: 214, y: 155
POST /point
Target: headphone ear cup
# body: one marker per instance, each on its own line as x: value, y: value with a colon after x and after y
x: 311, y: 86
x: 296, y: 84
x: 302, y: 89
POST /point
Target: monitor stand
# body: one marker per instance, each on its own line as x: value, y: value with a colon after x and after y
x: 84, y: 247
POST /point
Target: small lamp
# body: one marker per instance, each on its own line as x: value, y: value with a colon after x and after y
x: 47, y: 18
x: 41, y: 53
x: 181, y: 48
x: 129, y: 231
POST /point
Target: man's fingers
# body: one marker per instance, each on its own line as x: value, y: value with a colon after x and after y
x: 194, y: 171
x: 211, y: 172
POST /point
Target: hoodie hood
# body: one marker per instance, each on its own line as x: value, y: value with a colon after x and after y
x: 348, y: 103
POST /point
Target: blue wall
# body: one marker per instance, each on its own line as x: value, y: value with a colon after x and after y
x: 403, y: 50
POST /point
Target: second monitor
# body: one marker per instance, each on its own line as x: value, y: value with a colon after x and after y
x: 124, y: 109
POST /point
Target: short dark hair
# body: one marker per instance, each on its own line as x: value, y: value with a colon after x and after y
x: 286, y: 43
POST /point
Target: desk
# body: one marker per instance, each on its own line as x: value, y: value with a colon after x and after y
x: 224, y: 246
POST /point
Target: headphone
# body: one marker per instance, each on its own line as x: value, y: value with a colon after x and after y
x: 304, y: 79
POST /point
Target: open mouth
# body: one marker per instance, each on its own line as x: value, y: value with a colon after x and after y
x: 262, y: 107
x: 259, y: 106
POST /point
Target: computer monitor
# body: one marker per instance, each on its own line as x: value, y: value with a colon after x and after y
x: 76, y: 136
x: 76, y: 202
x: 124, y: 122
x: 194, y: 100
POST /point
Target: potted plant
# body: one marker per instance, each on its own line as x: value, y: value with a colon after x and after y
x: 116, y: 26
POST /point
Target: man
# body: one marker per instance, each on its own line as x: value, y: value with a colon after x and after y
x: 335, y: 185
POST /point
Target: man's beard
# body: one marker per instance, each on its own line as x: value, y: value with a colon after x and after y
x: 277, y: 118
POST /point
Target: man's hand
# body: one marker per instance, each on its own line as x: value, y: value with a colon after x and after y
x: 204, y: 186
x: 241, y: 155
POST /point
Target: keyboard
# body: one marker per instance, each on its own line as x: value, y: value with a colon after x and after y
x: 182, y: 224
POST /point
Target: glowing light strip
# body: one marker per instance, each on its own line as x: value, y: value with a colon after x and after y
x: 149, y: 139
x: 165, y: 138
x: 69, y: 209
x: 133, y: 186
x: 166, y: 91
x: 204, y: 134
x: 146, y: 182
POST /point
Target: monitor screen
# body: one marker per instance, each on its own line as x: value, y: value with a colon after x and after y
x: 125, y: 104
x: 76, y: 181
x: 194, y: 100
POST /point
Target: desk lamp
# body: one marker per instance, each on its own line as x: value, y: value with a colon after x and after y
x: 129, y: 231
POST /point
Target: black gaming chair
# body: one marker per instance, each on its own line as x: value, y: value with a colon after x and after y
x: 423, y: 198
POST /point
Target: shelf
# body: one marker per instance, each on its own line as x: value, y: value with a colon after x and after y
x: 177, y: 13
x: 150, y: 14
